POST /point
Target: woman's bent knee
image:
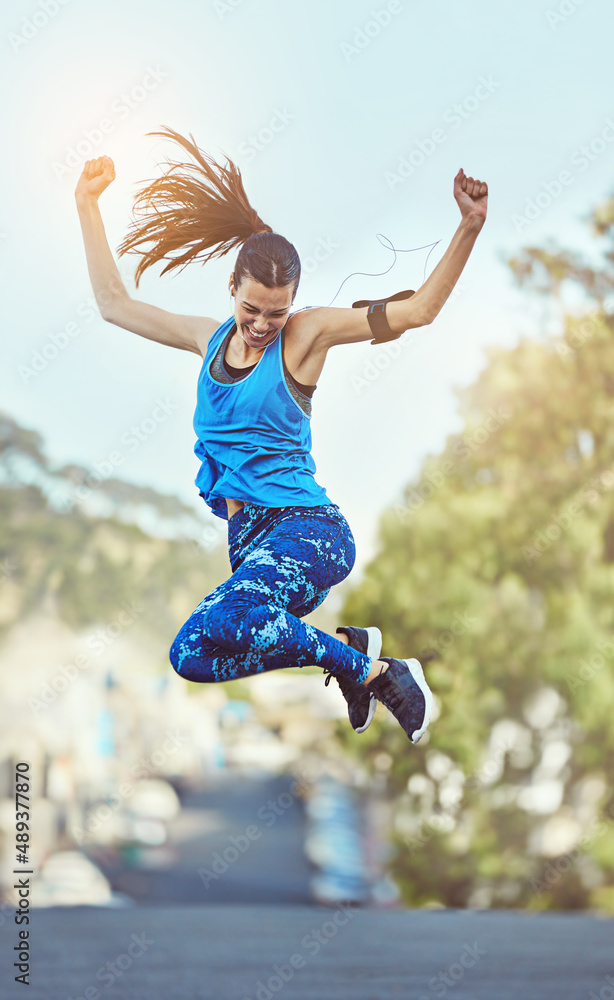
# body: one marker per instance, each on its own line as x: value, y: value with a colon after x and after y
x: 176, y: 654
x: 190, y: 664
x: 221, y: 625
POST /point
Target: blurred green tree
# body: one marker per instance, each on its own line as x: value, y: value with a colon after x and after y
x: 498, y: 562
x: 54, y: 548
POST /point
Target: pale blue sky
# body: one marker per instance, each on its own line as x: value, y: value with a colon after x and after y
x: 533, y: 87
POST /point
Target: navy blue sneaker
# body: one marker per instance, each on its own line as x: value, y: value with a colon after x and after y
x: 361, y: 701
x: 402, y: 688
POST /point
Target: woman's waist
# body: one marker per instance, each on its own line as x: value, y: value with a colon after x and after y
x: 319, y: 502
x: 233, y: 506
x: 238, y: 466
x: 224, y: 445
x: 252, y: 522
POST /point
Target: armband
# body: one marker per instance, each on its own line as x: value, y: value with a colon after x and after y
x: 377, y: 315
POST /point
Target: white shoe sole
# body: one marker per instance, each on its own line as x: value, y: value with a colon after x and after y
x: 374, y: 648
x: 415, y: 668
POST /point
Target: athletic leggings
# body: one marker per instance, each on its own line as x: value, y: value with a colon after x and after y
x: 284, y: 562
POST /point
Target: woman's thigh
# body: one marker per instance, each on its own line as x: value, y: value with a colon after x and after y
x: 288, y: 569
x: 304, y: 554
x: 276, y: 561
x: 288, y: 572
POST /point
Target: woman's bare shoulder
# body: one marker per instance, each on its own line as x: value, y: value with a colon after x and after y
x: 301, y: 334
x: 302, y: 322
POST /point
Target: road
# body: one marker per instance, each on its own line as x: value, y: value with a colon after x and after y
x: 236, y: 952
x: 251, y: 933
x: 270, y: 868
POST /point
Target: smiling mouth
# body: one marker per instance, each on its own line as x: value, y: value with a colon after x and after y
x: 257, y: 336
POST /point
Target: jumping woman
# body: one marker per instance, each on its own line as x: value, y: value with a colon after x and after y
x: 288, y: 542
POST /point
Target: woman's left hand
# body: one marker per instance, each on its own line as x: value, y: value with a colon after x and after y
x: 471, y: 195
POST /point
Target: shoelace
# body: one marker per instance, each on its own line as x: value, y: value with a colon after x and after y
x: 396, y: 691
x: 345, y: 683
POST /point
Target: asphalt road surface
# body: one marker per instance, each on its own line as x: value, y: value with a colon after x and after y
x: 235, y: 952
x: 268, y: 867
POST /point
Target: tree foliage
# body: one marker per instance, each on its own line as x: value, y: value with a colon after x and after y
x: 83, y: 565
x: 499, y: 562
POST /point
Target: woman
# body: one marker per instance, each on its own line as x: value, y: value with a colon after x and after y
x: 288, y: 541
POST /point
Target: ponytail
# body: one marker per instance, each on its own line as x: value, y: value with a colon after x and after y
x: 199, y: 211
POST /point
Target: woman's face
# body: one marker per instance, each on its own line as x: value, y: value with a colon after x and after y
x: 260, y: 312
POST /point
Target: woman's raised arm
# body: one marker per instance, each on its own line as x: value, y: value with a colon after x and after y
x: 348, y: 326
x: 188, y: 333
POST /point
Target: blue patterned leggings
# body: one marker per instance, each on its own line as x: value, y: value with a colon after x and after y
x: 284, y: 562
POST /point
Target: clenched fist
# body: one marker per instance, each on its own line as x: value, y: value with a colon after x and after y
x: 97, y: 175
x: 471, y: 195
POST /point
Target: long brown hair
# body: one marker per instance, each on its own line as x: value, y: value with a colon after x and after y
x: 199, y: 211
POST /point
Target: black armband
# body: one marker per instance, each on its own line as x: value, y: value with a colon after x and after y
x: 377, y: 315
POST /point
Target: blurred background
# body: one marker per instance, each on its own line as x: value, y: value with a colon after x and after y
x: 474, y: 459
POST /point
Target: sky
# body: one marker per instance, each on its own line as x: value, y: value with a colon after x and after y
x: 347, y: 120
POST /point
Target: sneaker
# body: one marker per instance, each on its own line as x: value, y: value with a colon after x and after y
x: 361, y: 701
x: 403, y: 690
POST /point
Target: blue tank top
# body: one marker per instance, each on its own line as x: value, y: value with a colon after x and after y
x: 254, y: 441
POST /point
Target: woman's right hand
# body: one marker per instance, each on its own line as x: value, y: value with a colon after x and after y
x: 471, y: 195
x: 97, y: 175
